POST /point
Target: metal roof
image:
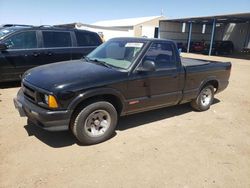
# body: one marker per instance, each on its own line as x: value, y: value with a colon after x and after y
x: 126, y: 22
x: 226, y: 18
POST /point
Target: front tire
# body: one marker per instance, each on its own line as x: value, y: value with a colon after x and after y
x: 95, y: 123
x: 204, y: 99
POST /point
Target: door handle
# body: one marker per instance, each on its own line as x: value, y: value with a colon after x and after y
x: 49, y: 53
x: 35, y: 54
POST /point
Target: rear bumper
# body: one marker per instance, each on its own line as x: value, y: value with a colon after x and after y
x: 46, y: 119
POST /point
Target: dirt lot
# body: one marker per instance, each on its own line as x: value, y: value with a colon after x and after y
x: 171, y: 147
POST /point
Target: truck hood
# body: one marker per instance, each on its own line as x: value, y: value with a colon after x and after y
x: 72, y: 75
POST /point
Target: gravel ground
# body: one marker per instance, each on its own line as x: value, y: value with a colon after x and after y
x: 170, y: 147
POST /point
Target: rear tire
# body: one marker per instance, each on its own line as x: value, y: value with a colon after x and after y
x: 204, y: 99
x: 95, y: 123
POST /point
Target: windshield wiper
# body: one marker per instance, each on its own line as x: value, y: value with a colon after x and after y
x: 85, y: 58
x: 99, y: 62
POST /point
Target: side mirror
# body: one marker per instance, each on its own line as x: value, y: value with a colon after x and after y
x: 3, y: 47
x: 147, y: 66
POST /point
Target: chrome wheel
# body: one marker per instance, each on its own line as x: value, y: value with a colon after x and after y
x: 206, y: 97
x: 97, y: 123
x: 204, y: 100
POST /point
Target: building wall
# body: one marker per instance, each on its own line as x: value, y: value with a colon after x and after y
x: 143, y: 29
x: 238, y: 33
x: 147, y: 28
x: 197, y: 34
x: 138, y: 31
x: 173, y: 31
x: 109, y: 33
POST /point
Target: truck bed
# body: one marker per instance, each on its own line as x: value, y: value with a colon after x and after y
x: 193, y: 62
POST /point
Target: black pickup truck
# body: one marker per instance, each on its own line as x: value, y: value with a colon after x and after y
x: 122, y: 76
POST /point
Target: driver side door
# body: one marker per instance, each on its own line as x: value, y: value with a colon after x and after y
x: 159, y: 88
x: 21, y: 55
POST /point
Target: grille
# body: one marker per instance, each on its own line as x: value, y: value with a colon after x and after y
x: 29, y: 93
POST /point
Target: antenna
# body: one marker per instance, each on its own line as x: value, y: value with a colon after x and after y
x: 162, y: 12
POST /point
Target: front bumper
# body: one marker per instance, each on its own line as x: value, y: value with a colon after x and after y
x: 46, y: 119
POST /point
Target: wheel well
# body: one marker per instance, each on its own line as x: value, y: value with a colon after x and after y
x: 114, y: 100
x: 213, y: 83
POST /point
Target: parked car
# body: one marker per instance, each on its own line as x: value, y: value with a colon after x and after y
x: 221, y: 48
x: 122, y: 76
x: 25, y: 47
x: 197, y: 47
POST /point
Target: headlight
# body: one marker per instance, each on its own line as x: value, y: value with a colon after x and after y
x: 50, y: 100
x: 46, y: 99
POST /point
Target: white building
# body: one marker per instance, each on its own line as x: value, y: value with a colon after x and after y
x: 131, y: 27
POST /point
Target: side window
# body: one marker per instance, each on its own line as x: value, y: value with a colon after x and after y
x: 87, y: 39
x: 162, y: 54
x: 24, y: 40
x: 56, y: 39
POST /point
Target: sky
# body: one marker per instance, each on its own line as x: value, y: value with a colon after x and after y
x: 49, y: 12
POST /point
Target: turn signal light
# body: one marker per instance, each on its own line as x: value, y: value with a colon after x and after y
x: 52, y: 103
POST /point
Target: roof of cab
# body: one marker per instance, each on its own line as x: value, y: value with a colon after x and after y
x: 142, y: 39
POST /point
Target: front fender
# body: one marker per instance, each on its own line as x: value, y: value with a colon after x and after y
x: 96, y: 92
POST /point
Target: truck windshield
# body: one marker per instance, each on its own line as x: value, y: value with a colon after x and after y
x: 117, y: 53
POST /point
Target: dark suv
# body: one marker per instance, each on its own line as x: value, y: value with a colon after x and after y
x: 25, y: 47
x: 221, y: 48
